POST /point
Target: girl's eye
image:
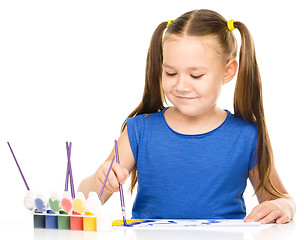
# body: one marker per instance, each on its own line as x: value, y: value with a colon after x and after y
x: 197, y: 76
x: 170, y: 74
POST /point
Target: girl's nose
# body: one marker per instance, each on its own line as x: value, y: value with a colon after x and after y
x: 182, y: 84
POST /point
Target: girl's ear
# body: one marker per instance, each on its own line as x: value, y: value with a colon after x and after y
x: 230, y: 70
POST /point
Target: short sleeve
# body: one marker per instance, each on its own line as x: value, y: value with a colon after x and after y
x: 134, y: 127
x: 254, y: 153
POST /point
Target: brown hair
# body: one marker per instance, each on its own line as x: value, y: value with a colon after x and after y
x: 248, y: 102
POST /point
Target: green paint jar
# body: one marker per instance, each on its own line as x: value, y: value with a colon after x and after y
x: 63, y: 220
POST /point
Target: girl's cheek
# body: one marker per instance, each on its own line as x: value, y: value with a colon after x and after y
x: 165, y: 84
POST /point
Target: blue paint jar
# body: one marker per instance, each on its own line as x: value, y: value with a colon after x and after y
x: 51, y: 221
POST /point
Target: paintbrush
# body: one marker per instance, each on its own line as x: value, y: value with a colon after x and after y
x: 29, y: 200
x: 122, y: 200
x: 27, y: 187
x: 104, y: 182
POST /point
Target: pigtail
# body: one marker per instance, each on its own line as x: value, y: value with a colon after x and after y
x: 153, y: 96
x: 248, y: 104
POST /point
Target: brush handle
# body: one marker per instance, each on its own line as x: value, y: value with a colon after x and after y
x: 122, y: 202
x: 66, y: 187
x: 122, y: 199
x: 69, y: 171
x: 27, y: 187
x: 104, y: 182
x: 71, y: 174
x: 116, y: 152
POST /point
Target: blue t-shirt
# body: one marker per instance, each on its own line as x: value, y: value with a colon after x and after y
x: 199, y: 176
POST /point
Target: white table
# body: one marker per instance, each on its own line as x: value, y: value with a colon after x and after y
x: 23, y: 229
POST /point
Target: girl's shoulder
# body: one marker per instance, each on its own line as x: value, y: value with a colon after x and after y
x: 240, y: 123
x: 141, y: 120
x: 140, y: 124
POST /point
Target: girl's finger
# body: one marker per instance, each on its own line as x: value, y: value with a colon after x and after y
x: 253, y: 212
x: 101, y: 179
x: 265, y: 211
x: 260, y: 212
x: 120, y: 172
x: 271, y: 217
x: 283, y: 219
x: 113, y: 182
x: 107, y: 190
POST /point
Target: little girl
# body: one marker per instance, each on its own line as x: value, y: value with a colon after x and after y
x: 192, y: 160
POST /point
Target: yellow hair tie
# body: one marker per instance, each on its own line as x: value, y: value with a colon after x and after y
x: 230, y: 25
x: 169, y: 22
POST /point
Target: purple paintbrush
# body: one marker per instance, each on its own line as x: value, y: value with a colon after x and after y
x: 71, y: 174
x: 66, y: 187
x: 104, y: 182
x: 29, y: 200
x: 19, y: 167
x: 122, y: 200
x: 69, y: 171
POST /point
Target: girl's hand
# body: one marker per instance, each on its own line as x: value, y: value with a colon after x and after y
x: 279, y: 210
x: 117, y: 176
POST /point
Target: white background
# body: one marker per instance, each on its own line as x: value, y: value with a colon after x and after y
x: 74, y: 70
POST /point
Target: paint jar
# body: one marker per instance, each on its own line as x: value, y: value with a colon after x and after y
x: 41, y: 203
x: 93, y: 203
x: 39, y: 219
x: 104, y: 220
x: 67, y: 202
x: 29, y: 200
x: 89, y: 223
x: 54, y: 202
x: 63, y: 220
x: 79, y: 203
x: 76, y: 222
x: 51, y: 220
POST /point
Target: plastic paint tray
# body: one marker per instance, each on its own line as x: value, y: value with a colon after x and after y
x: 63, y: 220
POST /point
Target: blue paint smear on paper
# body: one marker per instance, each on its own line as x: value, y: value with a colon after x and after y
x: 170, y: 222
x: 214, y: 221
x: 152, y: 223
x: 137, y: 223
x: 162, y: 223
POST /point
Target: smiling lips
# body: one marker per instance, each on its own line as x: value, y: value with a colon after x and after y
x: 184, y: 98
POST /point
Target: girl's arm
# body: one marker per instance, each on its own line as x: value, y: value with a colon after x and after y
x: 117, y: 175
x: 270, y: 208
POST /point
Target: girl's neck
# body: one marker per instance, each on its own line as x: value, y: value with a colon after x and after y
x: 203, y: 123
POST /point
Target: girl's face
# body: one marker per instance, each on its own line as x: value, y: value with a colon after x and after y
x: 193, y: 73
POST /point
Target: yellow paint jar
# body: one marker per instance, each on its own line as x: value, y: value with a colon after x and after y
x: 89, y: 223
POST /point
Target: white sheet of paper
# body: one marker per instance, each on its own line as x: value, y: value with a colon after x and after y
x: 196, y: 223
